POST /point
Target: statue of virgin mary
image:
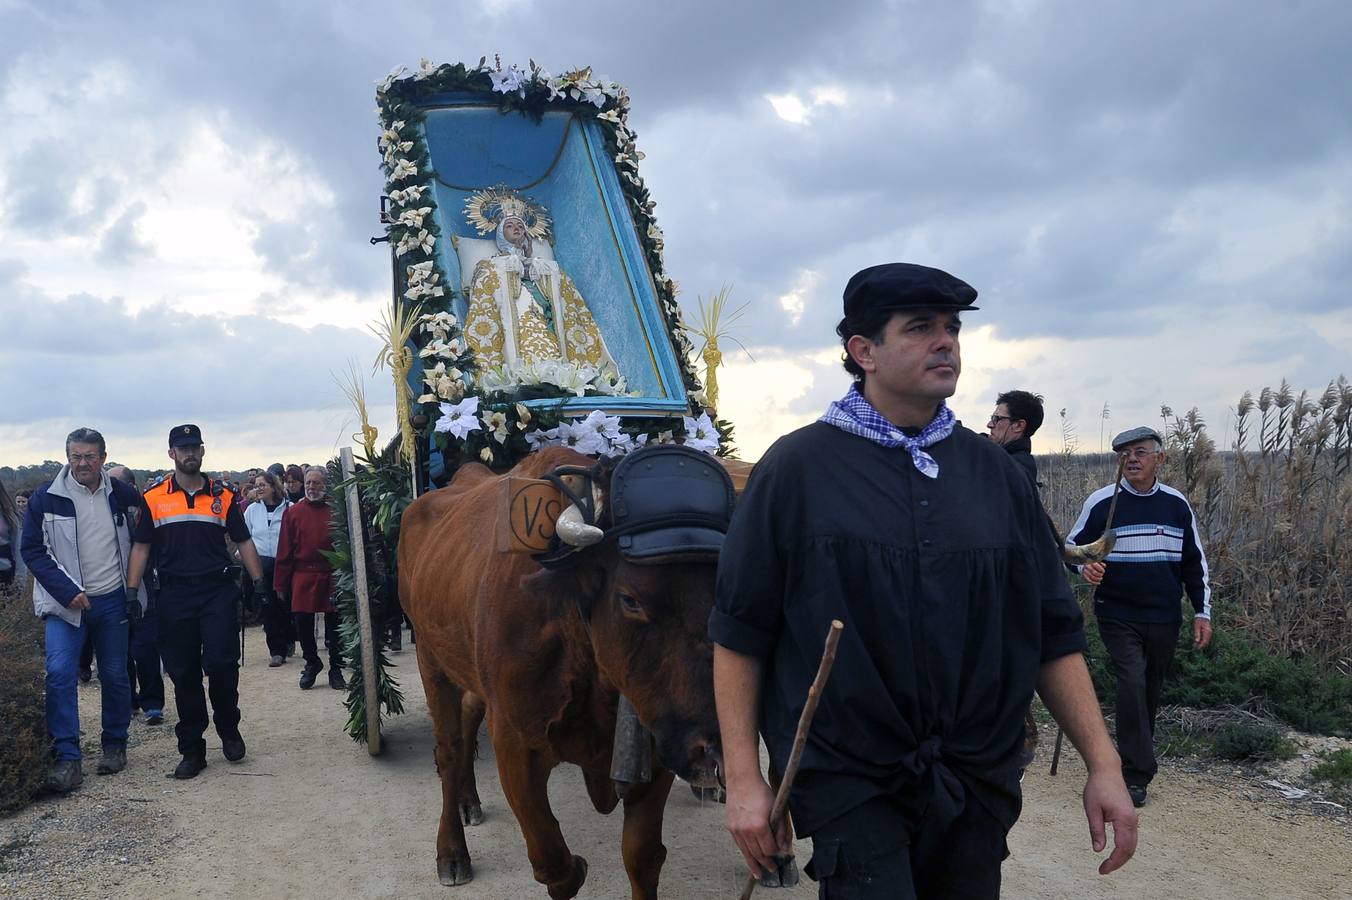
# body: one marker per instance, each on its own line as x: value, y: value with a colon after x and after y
x: 525, y: 314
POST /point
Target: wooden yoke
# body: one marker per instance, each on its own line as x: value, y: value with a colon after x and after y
x: 533, y: 505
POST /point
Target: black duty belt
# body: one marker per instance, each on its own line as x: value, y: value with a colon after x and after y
x: 214, y: 577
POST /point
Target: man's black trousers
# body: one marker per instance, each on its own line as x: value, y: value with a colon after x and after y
x: 1141, y: 653
x: 143, y: 664
x: 199, y: 635
x: 305, y: 633
x: 278, y: 627
x: 879, y: 851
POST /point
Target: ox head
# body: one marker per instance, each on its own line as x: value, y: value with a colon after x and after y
x: 639, y: 556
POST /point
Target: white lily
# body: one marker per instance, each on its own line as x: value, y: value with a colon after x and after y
x: 700, y: 434
x: 388, y: 81
x: 594, y: 95
x: 416, y: 273
x: 606, y: 426
x: 496, y: 423
x: 414, y: 217
x: 509, y: 80
x: 540, y: 438
x: 459, y: 419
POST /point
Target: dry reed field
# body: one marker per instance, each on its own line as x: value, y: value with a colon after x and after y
x: 1274, y: 513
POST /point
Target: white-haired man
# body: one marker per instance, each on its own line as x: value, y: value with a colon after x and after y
x: 304, y: 575
x: 1158, y: 556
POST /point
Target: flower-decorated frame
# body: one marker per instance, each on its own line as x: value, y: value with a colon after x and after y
x: 514, y: 419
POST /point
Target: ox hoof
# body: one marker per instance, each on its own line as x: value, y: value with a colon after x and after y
x: 705, y: 794
x: 454, y: 871
x: 785, y: 876
x: 569, y: 887
x: 471, y: 813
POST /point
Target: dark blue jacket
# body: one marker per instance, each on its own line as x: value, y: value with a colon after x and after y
x: 1157, y: 557
x: 50, y: 549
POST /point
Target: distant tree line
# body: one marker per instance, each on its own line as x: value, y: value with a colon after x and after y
x: 27, y: 478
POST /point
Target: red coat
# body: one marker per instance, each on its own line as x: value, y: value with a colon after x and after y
x: 301, y: 571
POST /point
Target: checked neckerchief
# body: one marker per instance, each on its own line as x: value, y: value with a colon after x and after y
x: 855, y: 415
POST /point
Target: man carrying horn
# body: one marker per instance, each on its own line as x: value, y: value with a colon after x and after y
x: 928, y: 542
x: 1158, y: 556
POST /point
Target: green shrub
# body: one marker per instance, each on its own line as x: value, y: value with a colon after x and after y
x: 23, y: 739
x: 1255, y: 742
x: 1335, y: 769
x: 1234, y: 671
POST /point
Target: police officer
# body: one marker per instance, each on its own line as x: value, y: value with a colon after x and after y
x: 185, y: 520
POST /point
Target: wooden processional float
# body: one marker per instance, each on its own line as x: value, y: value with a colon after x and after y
x: 531, y: 304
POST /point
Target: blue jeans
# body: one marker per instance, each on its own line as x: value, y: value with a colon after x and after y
x: 106, y: 621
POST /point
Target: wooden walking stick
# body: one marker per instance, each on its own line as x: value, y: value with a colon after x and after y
x: 1107, y: 528
x: 814, y: 694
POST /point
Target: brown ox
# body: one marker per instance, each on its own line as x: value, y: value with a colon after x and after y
x: 548, y: 653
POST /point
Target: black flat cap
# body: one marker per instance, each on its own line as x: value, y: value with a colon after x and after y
x: 185, y: 436
x: 1132, y: 435
x: 905, y: 286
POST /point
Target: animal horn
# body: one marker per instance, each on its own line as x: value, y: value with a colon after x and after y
x: 573, y: 530
x: 1079, y: 554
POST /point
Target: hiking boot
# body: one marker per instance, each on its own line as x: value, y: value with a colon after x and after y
x: 191, y: 766
x: 66, y: 775
x: 336, y: 680
x: 154, y: 717
x: 233, y: 748
x: 1137, y: 792
x: 275, y: 662
x: 114, y: 760
x: 397, y: 639
x: 307, y: 675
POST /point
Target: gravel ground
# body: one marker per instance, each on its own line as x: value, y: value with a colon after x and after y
x: 310, y: 814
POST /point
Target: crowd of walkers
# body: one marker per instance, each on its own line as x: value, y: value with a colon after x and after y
x: 136, y: 583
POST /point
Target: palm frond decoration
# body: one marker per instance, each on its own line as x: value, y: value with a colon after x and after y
x: 714, y: 325
x: 395, y: 329
x: 354, y: 389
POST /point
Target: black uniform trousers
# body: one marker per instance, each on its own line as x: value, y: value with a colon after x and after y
x: 1141, y: 653
x: 881, y: 850
x: 199, y: 636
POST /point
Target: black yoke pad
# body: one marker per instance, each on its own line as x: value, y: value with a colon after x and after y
x: 668, y: 499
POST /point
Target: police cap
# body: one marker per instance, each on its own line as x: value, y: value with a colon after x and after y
x: 185, y: 436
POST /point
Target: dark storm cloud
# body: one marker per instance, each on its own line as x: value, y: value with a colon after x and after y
x: 91, y: 357
x: 1093, y: 169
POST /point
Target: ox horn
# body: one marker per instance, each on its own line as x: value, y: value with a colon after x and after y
x: 573, y: 530
x: 1079, y: 554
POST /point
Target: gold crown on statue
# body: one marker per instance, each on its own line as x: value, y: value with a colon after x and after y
x: 486, y: 209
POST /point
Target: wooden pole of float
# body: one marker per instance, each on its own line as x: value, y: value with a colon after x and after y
x: 370, y: 677
x: 814, y: 694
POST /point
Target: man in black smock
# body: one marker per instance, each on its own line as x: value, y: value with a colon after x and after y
x: 930, y: 545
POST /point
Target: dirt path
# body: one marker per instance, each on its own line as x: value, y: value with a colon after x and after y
x: 308, y: 813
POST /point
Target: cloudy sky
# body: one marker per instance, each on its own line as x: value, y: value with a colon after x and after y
x: 1154, y: 200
